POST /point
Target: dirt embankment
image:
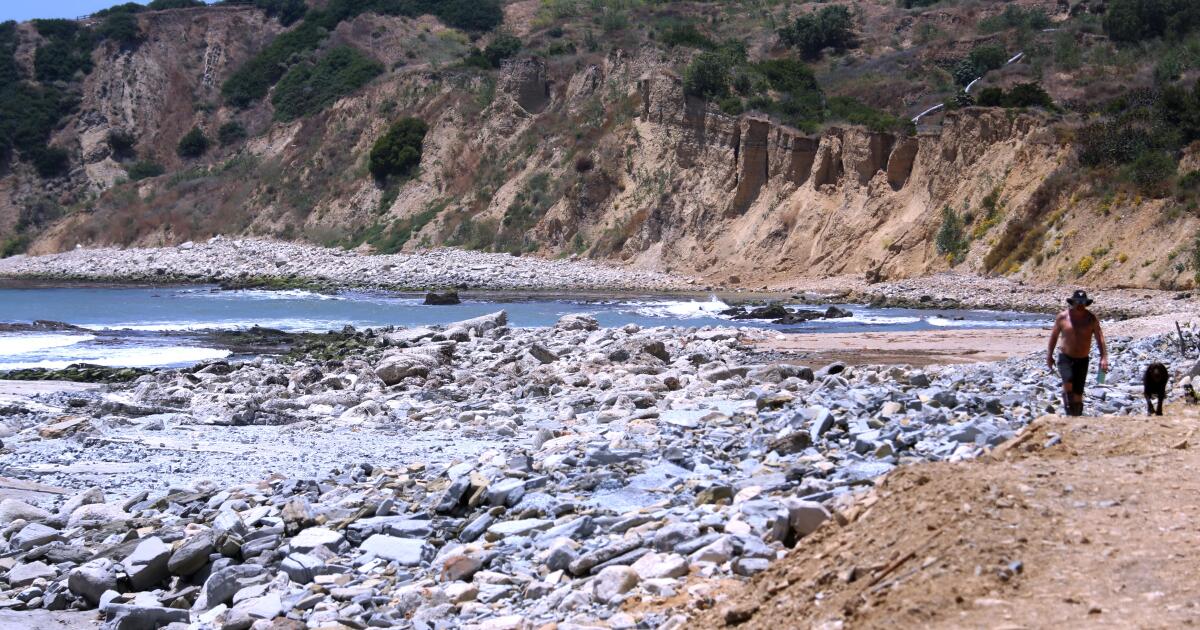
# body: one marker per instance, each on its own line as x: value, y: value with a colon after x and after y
x: 1078, y: 522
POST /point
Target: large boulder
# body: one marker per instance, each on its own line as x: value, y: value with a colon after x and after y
x: 147, y: 565
x: 464, y: 330
x: 92, y: 579
x: 97, y: 515
x: 13, y: 509
x: 192, y: 555
x: 448, y: 298
x: 398, y: 367
x: 577, y: 321
x: 25, y: 574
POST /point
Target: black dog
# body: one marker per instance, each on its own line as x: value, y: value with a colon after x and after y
x: 1154, y: 385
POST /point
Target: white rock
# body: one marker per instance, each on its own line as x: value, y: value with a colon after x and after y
x: 613, y: 582
x: 661, y: 565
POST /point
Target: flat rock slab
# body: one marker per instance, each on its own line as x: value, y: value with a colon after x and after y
x: 99, y: 468
x: 47, y: 620
x: 31, y: 388
x: 408, y: 552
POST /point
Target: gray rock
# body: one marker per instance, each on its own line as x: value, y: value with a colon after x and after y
x: 718, y: 552
x: 611, y: 584
x: 577, y: 321
x: 805, y: 516
x: 22, y: 575
x: 301, y: 568
x: 192, y: 555
x: 522, y: 527
x: 660, y: 565
x: 407, y: 552
x: 220, y: 587
x: 668, y: 536
x: 750, y: 566
x: 34, y: 535
x: 505, y: 492
x: 477, y: 527
x: 313, y: 537
x: 560, y: 554
x: 87, y: 497
x: 13, y: 509
x: 822, y: 421
x: 541, y: 354
x: 134, y: 617
x: 92, y: 579
x: 97, y: 515
x: 147, y: 565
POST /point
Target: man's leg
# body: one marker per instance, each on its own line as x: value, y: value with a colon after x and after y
x: 1068, y: 399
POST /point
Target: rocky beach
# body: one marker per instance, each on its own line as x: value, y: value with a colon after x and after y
x: 232, y: 262
x: 479, y: 475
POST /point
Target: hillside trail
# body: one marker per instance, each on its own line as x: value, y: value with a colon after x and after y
x: 1075, y: 523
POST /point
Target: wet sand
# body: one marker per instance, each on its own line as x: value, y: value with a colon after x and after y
x: 944, y: 347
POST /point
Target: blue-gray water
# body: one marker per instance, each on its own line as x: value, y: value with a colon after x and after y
x: 149, y: 327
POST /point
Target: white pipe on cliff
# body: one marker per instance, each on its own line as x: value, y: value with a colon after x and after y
x: 967, y: 89
x: 931, y: 109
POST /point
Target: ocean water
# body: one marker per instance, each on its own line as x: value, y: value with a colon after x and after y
x: 164, y: 326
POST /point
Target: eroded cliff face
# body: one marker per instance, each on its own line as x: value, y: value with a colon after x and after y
x: 603, y: 157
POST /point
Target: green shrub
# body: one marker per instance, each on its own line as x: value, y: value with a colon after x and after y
x: 14, y: 245
x: 469, y: 15
x: 193, y: 144
x: 121, y: 28
x: 254, y: 79
x: 813, y: 32
x: 1137, y: 20
x: 230, y: 133
x: 502, y: 47
x: 286, y: 11
x: 1015, y: 16
x: 916, y: 4
x: 143, y: 169
x: 1152, y: 172
x: 28, y: 113
x: 128, y: 8
x: 163, y: 5
x: 307, y: 89
x: 1196, y: 258
x: 686, y: 35
x: 707, y: 76
x: 50, y: 161
x: 732, y: 105
x: 398, y: 152
x: 67, y: 51
x: 852, y: 111
x: 1021, y: 95
x: 949, y: 240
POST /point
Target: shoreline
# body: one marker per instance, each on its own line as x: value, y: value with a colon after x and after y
x: 273, y: 265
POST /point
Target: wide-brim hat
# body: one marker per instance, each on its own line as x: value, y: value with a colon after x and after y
x: 1080, y: 297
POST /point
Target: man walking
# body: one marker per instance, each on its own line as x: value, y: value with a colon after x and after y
x: 1077, y: 325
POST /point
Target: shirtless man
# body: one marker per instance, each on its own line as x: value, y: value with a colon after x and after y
x: 1077, y: 325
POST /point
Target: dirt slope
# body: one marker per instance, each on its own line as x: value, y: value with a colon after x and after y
x: 1097, y: 530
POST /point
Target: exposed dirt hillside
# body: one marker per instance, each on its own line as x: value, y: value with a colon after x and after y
x: 1078, y: 522
x: 599, y: 152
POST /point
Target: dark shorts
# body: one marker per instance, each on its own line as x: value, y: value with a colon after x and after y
x: 1073, y: 371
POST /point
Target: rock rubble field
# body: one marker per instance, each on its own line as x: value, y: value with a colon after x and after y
x: 478, y: 475
x: 258, y: 262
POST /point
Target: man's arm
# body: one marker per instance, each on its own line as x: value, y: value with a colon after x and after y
x: 1053, y: 341
x: 1103, y: 346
